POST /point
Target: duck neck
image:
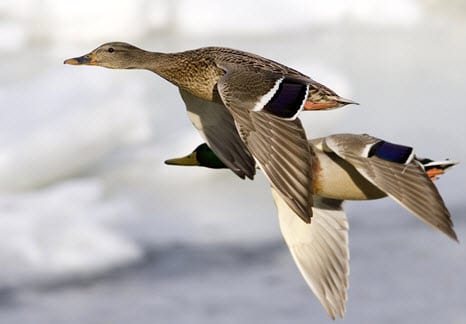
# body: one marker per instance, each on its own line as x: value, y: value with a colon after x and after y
x: 153, y: 61
x: 186, y: 70
x: 169, y: 66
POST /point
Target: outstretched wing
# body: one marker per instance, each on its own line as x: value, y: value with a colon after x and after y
x: 218, y: 129
x: 320, y: 250
x: 392, y: 169
x: 264, y: 106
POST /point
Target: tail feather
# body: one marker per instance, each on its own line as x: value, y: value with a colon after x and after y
x: 321, y: 98
x: 436, y: 168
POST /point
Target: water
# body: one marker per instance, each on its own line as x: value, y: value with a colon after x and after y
x: 94, y: 228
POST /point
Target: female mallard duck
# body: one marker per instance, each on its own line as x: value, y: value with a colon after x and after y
x: 245, y: 107
x: 348, y: 167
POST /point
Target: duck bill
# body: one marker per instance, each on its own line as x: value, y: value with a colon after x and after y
x: 87, y: 59
x: 185, y: 160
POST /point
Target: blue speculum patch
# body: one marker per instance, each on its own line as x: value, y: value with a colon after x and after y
x: 288, y: 99
x: 391, y: 152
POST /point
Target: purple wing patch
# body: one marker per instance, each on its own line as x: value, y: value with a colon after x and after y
x: 288, y: 99
x: 391, y: 152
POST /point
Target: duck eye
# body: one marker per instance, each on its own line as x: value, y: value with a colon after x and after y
x: 111, y: 50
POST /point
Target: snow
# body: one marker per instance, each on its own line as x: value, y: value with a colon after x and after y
x: 61, y: 232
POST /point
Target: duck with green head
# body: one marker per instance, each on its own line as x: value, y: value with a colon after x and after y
x: 201, y: 156
x: 348, y: 167
x: 245, y: 107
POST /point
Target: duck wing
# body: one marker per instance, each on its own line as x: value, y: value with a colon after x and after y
x: 217, y: 127
x: 392, y: 168
x: 319, y: 249
x: 264, y: 106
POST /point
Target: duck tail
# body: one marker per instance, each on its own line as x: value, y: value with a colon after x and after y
x: 322, y: 98
x: 436, y: 168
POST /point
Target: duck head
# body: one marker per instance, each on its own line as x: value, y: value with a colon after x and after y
x: 114, y: 55
x: 201, y: 156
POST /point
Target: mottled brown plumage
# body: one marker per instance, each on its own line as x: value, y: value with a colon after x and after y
x: 259, y: 97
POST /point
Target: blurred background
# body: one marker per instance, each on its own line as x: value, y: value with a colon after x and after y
x: 94, y: 228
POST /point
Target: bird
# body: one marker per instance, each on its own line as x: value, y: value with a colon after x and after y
x: 245, y: 106
x: 348, y: 167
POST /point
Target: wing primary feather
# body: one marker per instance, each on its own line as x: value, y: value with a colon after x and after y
x: 407, y: 184
x: 319, y: 249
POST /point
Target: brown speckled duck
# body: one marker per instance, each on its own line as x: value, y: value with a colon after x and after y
x: 245, y: 106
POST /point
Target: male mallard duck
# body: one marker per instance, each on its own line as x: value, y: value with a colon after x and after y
x: 348, y: 167
x: 245, y: 107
